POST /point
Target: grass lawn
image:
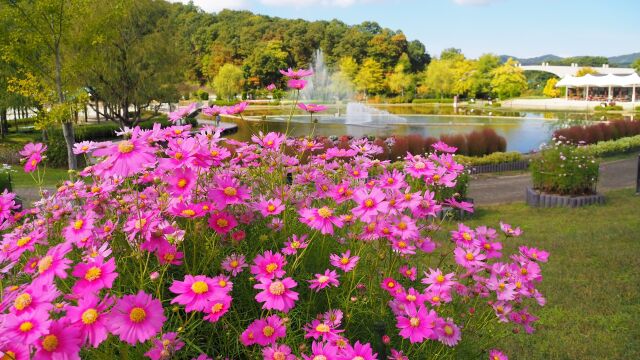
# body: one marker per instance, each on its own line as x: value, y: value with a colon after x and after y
x: 592, y: 280
x: 52, y: 177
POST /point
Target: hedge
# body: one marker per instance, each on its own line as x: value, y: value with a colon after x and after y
x: 491, y: 159
x: 432, y: 101
x: 613, y: 147
x: 608, y: 108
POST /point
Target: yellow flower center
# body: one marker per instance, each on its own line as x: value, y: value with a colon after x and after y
x: 182, y: 183
x: 440, y: 278
x: 141, y: 223
x: 499, y: 309
x: 279, y: 355
x: 214, y: 152
x: 448, y: 330
x: 295, y: 244
x: 402, y: 244
x: 319, y: 357
x: 93, y: 273
x: 324, y: 212
x: 420, y: 165
x: 391, y: 284
x: 222, y: 223
x: 344, y: 261
x: 169, y: 256
x: 188, y: 212
x: 272, y: 267
x: 230, y: 191
x: 501, y: 286
x: 45, y: 263
x: 271, y: 208
x: 414, y: 321
x: 496, y: 357
x: 125, y: 147
x: 368, y: 203
x: 222, y: 283
x: 523, y: 271
x: 402, y: 225
x: 199, y: 287
x: 268, y: 330
x: 436, y: 177
x: 435, y: 299
x: 50, y: 342
x: 89, y: 316
x: 26, y: 326
x: 487, y: 246
x: 178, y: 155
x: 10, y: 355
x: 217, y: 307
x: 469, y: 256
x: 23, y: 241
x: 390, y: 181
x: 411, y: 297
x: 277, y: 288
x: 407, y: 197
x: 137, y: 315
x: 234, y: 264
x: 22, y: 301
x: 323, y: 328
x: 323, y: 279
x: 78, y: 224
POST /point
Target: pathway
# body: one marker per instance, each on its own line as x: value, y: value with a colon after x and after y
x: 499, y: 189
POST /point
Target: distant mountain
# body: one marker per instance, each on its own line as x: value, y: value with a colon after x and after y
x: 620, y: 60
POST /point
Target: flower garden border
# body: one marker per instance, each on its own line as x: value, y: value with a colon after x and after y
x: 536, y: 198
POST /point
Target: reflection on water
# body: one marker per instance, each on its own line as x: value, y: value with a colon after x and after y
x: 524, y: 131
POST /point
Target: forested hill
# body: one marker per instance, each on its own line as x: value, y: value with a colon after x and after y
x: 262, y: 43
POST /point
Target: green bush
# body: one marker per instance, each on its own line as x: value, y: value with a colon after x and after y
x: 493, y: 105
x: 202, y: 95
x: 613, y: 147
x: 491, y: 159
x: 5, y: 181
x: 637, y: 108
x: 432, y: 101
x: 608, y: 108
x: 565, y: 169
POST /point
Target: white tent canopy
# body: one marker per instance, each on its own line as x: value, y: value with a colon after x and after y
x: 630, y: 80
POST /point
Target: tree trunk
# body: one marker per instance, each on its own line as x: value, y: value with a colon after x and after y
x: 67, y: 126
x: 98, y: 111
x: 4, y: 125
x: 86, y: 117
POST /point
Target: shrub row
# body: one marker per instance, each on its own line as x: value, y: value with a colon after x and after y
x: 599, y: 132
x: 564, y: 169
x: 608, y: 108
x: 491, y: 159
x: 432, y: 101
x: 614, y: 147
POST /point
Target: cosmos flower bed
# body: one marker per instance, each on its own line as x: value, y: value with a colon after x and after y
x: 187, y: 245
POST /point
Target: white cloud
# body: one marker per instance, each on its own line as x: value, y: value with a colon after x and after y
x: 473, y: 2
x: 217, y: 5
x: 303, y: 3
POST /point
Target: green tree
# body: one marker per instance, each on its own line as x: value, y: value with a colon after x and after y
x: 483, y: 74
x: 38, y: 41
x: 263, y: 64
x: 508, y: 80
x: 636, y: 65
x: 229, y: 81
x: 349, y: 67
x: 439, y: 78
x: 370, y: 78
x: 550, y: 89
x: 400, y: 79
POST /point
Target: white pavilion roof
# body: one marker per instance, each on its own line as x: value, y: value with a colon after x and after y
x: 600, y: 80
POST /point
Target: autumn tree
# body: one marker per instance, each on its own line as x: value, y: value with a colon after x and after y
x: 508, y: 80
x: 370, y: 78
x: 229, y: 81
x: 586, y: 70
x: 550, y: 89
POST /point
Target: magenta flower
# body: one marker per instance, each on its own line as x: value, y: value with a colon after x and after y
x: 294, y: 244
x: 269, y: 207
x: 80, y: 229
x: 38, y: 295
x: 271, y: 87
x: 370, y: 204
x: 217, y: 306
x: 222, y: 222
x: 268, y: 265
x: 417, y: 324
x: 228, y: 191
x: 437, y: 280
x: 270, y: 141
x: 194, y: 292
x: 165, y: 347
x: 359, y: 351
x: 534, y: 254
x: 510, y: 231
x: 329, y: 278
x: 442, y: 147
x: 90, y: 317
x: 323, y: 329
x: 94, y: 276
x: 448, y: 333
x: 136, y: 318
x: 297, y: 84
x: 296, y: 74
x: 496, y: 354
x: 179, y: 114
x: 277, y: 352
x: 180, y: 181
x: 345, y: 261
x: 213, y: 110
x: 277, y: 294
x: 236, y: 109
x: 32, y: 154
x: 320, y: 350
x: 27, y: 327
x: 84, y: 147
x: 469, y: 258
x: 234, y: 264
x: 321, y: 219
x: 54, y: 263
x: 408, y: 272
x: 268, y: 331
x: 312, y: 108
x: 16, y: 351
x: 61, y: 342
x: 126, y: 157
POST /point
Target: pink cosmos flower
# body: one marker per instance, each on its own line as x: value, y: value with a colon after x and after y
x: 181, y: 113
x: 358, y: 351
x: 534, y: 254
x: 312, y: 108
x: 268, y: 331
x: 408, y: 272
x: 496, y: 354
x: 524, y: 318
x: 126, y: 157
x: 84, y: 147
x: 397, y: 355
x: 296, y: 74
x: 236, y: 109
x: 321, y: 219
x: 61, y: 342
x: 322, y: 351
x: 165, y: 347
x: 27, y: 327
x: 469, y: 258
x: 322, y: 329
x: 418, y: 324
x: 345, y: 261
x: 80, y: 229
x: 94, y: 276
x: 89, y: 316
x: 14, y: 351
x: 277, y: 352
x: 277, y: 294
x: 271, y: 87
x: 217, y: 306
x: 228, y: 191
x: 269, y: 207
x: 292, y: 246
x: 442, y: 147
x: 329, y: 278
x: 448, y: 333
x: 370, y: 204
x: 38, y: 295
x: 270, y: 141
x: 391, y: 285
x: 437, y: 280
x: 234, y: 264
x: 510, y: 231
x: 222, y: 222
x: 136, y: 318
x: 54, y: 263
x: 297, y: 84
x: 32, y: 154
x: 268, y: 265
x: 180, y: 181
x: 194, y: 292
x: 213, y: 110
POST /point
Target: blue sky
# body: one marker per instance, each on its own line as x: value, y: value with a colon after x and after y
x: 522, y: 28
